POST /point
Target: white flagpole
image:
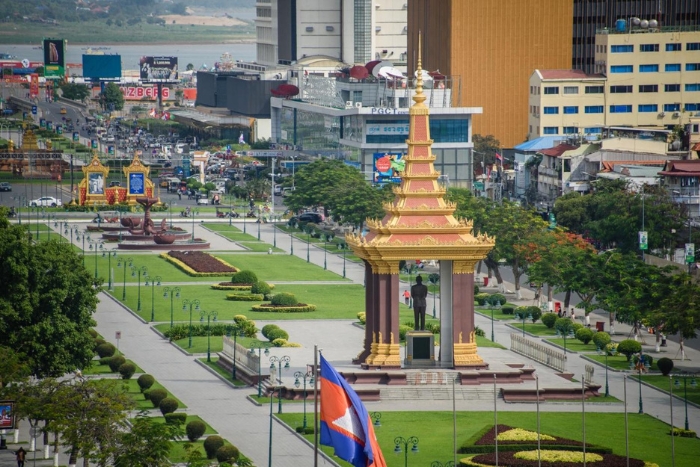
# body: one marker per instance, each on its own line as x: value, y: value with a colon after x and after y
x: 539, y: 451
x: 454, y: 423
x: 673, y: 435
x: 495, y: 418
x: 583, y: 416
x: 316, y: 375
x: 627, y: 434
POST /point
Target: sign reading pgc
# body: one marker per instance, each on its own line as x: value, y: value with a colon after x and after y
x: 158, y: 69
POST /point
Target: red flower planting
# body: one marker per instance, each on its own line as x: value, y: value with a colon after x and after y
x: 201, y: 262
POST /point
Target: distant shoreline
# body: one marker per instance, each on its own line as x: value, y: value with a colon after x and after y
x: 102, y: 44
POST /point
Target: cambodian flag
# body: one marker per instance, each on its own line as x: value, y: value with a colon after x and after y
x: 345, y: 423
x: 499, y: 157
x: 241, y: 139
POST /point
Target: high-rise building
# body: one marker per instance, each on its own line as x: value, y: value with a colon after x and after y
x: 493, y: 46
x: 592, y: 15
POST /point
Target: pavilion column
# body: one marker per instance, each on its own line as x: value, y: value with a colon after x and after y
x: 465, y: 351
x: 446, y: 326
x: 370, y: 315
x: 385, y: 347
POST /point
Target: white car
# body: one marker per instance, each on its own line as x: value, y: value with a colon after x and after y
x: 46, y: 201
x: 202, y: 199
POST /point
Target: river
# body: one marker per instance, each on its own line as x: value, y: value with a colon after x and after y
x: 199, y: 55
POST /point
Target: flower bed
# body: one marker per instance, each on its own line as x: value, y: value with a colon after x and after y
x: 232, y: 286
x: 245, y: 297
x: 197, y: 263
x: 576, y: 460
x: 299, y: 308
x: 483, y: 441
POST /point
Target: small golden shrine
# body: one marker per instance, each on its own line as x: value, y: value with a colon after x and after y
x: 138, y: 184
x: 29, y: 161
x: 419, y: 223
x: 92, y: 189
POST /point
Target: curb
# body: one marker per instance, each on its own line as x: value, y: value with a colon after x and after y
x: 304, y: 440
x: 206, y: 367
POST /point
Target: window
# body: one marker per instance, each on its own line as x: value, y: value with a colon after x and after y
x: 551, y: 130
x: 643, y: 108
x: 551, y: 110
x: 571, y: 109
x: 673, y: 47
x: 620, y: 109
x: 620, y: 49
x: 593, y: 130
x: 672, y: 107
x: 672, y: 88
x: 692, y: 107
x: 648, y: 88
x: 648, y: 68
x: 594, y: 109
x: 692, y: 87
x: 649, y: 47
x: 570, y: 89
x: 551, y: 90
x: 621, y: 69
x: 620, y: 89
x: 568, y: 130
x: 595, y: 89
x: 692, y: 46
x: 672, y: 67
x: 692, y: 67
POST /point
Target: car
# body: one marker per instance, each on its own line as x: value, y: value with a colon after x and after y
x: 202, y: 198
x: 312, y: 217
x: 46, y: 201
x: 63, y: 110
x: 4, y: 186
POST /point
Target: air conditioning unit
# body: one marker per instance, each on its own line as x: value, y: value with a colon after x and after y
x: 377, y: 29
x: 358, y: 105
x: 676, y: 114
x: 348, y: 104
x: 662, y: 114
x: 329, y: 28
x: 309, y: 29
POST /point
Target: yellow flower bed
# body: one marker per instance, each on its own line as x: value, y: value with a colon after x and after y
x: 191, y: 272
x: 518, y: 434
x: 558, y: 456
x: 470, y: 463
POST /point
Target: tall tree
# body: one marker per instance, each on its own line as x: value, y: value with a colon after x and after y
x: 146, y: 444
x: 486, y: 148
x: 112, y: 98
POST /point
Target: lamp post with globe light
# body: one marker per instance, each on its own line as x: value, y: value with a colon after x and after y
x: 252, y: 354
x: 124, y: 263
x: 174, y: 293
x: 301, y: 376
x: 154, y: 281
x: 211, y: 316
x: 693, y: 385
x: 279, y: 360
x: 193, y: 303
x: 143, y: 270
x: 400, y: 441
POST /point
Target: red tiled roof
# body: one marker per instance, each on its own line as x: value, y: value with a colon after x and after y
x: 682, y: 168
x: 567, y: 74
x: 696, y: 147
x: 557, y: 151
x: 609, y: 166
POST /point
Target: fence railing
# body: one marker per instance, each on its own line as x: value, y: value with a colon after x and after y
x: 243, y: 357
x: 538, y: 352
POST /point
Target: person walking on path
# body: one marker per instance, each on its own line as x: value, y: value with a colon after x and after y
x: 21, y: 454
x: 406, y: 296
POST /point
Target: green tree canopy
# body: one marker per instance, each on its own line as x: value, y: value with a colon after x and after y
x: 112, y: 98
x: 76, y: 92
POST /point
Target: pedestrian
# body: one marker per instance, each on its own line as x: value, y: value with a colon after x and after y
x: 573, y: 315
x: 21, y: 454
x: 406, y: 296
x: 179, y: 194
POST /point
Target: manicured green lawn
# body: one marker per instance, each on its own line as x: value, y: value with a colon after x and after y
x: 280, y: 267
x: 190, y: 418
x: 97, y: 369
x: 484, y: 342
x: 647, y: 436
x: 132, y: 389
x: 662, y: 382
x: 199, y: 343
x: 225, y: 374
x: 246, y: 240
x: 617, y: 362
x: 574, y: 345
x: 538, y: 329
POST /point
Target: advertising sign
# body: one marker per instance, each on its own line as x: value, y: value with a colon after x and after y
x: 158, y: 68
x: 33, y: 85
x: 34, y: 110
x: 7, y: 415
x: 96, y: 67
x: 110, y: 150
x: 76, y: 136
x: 93, y: 143
x: 643, y: 240
x: 49, y: 125
x: 139, y: 92
x: 59, y: 129
x: 136, y: 184
x: 42, y: 123
x: 387, y: 129
x: 54, y: 58
x: 690, y: 252
x: 387, y: 167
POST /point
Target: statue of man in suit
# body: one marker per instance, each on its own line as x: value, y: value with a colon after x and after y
x: 419, y: 292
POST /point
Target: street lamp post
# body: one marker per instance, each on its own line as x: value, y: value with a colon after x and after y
x: 174, y: 293
x: 401, y: 441
x: 259, y: 220
x: 88, y: 238
x: 693, y: 384
x: 237, y: 331
x: 125, y: 263
x: 434, y: 280
x: 252, y: 354
x: 300, y: 375
x: 245, y: 215
x: 154, y: 281
x: 211, y: 316
x: 109, y: 255
x: 440, y: 464
x: 193, y: 213
x: 492, y: 307
x: 325, y: 241
x: 278, y: 360
x: 274, y: 231
x: 307, y: 229
x: 191, y: 303
x: 291, y: 238
x: 143, y: 270
x: 96, y: 247
x: 345, y: 247
x: 524, y: 317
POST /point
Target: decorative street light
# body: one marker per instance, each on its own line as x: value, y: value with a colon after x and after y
x: 174, y: 293
x: 124, y: 263
x: 326, y: 238
x: 303, y: 376
x: 275, y: 359
x: 259, y: 221
x: 237, y: 331
x: 143, y: 270
x: 493, y: 306
x: 95, y: 243
x: 693, y: 385
x: 252, y: 354
x: 401, y: 441
x: 291, y: 237
x: 189, y: 303
x: 344, y: 247
x: 434, y: 279
x: 85, y: 236
x: 440, y: 464
x: 308, y: 230
x: 269, y: 450
x: 155, y: 281
x: 639, y: 366
x: 245, y: 215
x: 211, y: 316
x: 109, y: 255
x: 193, y: 213
x: 605, y: 352
x: 274, y: 231
x: 524, y: 317
x: 376, y: 418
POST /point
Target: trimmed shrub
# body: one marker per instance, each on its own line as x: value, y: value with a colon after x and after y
x: 267, y: 328
x: 476, y: 290
x: 178, y: 418
x: 105, y: 361
x: 362, y: 317
x: 261, y: 287
x: 146, y: 394
x: 683, y: 433
x: 309, y: 430
x: 93, y: 333
x: 479, y: 332
x: 145, y: 382
x: 116, y: 362
x: 563, y: 325
x: 278, y: 333
x: 665, y: 365
x: 548, y: 319
x: 584, y: 335
x: 195, y: 429
x: 284, y: 299
x: 98, y: 341
x: 629, y: 347
x: 212, y: 444
x: 168, y: 405
x: 279, y: 342
x: 106, y: 350
x: 535, y: 312
x: 601, y: 340
x: 227, y: 453
x: 432, y: 327
x: 480, y: 298
x: 576, y: 325
x: 245, y: 297
x: 156, y: 396
x: 284, y: 309
x: 508, y: 310
x: 403, y: 329
x: 238, y: 319
x: 127, y: 370
x: 244, y: 277
x: 497, y: 298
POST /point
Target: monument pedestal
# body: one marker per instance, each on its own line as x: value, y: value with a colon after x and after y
x: 420, y: 348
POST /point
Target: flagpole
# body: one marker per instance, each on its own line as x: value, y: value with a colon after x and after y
x: 495, y: 417
x: 315, y: 373
x: 454, y: 422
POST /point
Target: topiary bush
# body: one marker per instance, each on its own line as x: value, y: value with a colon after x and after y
x: 178, y: 419
x: 267, y: 328
x: 284, y: 299
x: 601, y: 340
x: 145, y: 382
x: 127, y: 370
x: 105, y: 350
x: 576, y: 325
x: 227, y: 453
x: 156, y: 396
x: 480, y: 298
x: 212, y: 444
x: 279, y: 342
x: 93, y: 333
x: 278, y: 333
x: 629, y: 347
x: 508, y: 310
x: 244, y: 277
x: 548, y: 319
x: 115, y: 362
x: 403, y: 329
x: 665, y: 365
x: 497, y: 298
x: 98, y: 341
x: 245, y: 297
x: 195, y: 429
x: 584, y: 335
x: 261, y: 287
x: 167, y: 405
x: 563, y: 325
x: 535, y: 312
x: 476, y: 290
x: 105, y: 361
x: 362, y: 317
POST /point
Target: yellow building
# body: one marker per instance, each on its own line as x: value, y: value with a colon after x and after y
x: 493, y: 46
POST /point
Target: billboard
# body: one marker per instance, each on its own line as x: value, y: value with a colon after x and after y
x: 158, y: 68
x: 97, y: 67
x: 33, y: 85
x: 148, y: 92
x: 387, y: 167
x: 7, y: 415
x: 54, y: 58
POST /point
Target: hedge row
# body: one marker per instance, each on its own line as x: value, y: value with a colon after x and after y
x: 180, y: 331
x: 286, y: 309
x: 250, y: 297
x: 230, y: 287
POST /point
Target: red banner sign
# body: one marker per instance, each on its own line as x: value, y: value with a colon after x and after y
x: 140, y: 92
x: 34, y: 85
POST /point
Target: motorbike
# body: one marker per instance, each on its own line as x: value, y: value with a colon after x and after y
x: 220, y: 215
x: 184, y: 214
x: 12, y: 213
